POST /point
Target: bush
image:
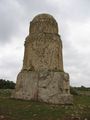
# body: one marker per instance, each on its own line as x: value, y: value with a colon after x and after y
x: 73, y: 91
x: 6, y: 84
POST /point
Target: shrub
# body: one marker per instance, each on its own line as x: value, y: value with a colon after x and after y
x: 73, y: 91
x: 6, y: 84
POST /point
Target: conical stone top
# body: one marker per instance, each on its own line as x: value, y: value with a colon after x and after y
x: 44, y: 17
x: 44, y: 23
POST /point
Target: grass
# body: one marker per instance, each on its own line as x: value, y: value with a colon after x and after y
x: 12, y: 109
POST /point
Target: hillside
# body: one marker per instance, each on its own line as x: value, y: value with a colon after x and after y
x: 11, y: 109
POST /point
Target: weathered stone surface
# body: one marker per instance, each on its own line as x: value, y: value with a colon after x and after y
x: 52, y: 89
x: 47, y: 86
x: 42, y: 76
x: 26, y: 87
x: 42, y: 51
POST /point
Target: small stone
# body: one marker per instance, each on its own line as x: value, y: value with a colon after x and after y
x: 2, y: 117
x: 34, y: 115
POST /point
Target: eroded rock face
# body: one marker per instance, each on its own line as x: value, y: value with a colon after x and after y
x: 42, y: 77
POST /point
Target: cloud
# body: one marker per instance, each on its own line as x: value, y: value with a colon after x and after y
x: 77, y: 10
x: 11, y: 60
x: 11, y: 15
x: 73, y: 18
x: 77, y: 56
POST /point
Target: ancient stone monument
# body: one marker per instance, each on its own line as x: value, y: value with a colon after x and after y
x: 42, y: 77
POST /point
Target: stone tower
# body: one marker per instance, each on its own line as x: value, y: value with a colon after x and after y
x: 42, y: 77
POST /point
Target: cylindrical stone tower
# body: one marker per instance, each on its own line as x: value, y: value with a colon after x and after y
x: 42, y: 76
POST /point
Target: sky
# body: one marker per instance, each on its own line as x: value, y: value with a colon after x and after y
x: 73, y: 17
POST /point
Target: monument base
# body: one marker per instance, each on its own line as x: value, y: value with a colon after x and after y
x: 46, y: 86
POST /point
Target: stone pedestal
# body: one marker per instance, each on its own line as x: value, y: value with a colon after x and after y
x: 45, y: 86
x: 42, y: 77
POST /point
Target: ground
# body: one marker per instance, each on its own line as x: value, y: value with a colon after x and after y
x: 11, y: 109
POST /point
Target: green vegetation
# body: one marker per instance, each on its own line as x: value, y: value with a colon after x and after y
x: 74, y: 91
x: 80, y: 90
x: 6, y: 84
x: 11, y: 109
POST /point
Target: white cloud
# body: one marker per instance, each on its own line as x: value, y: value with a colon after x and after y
x: 11, y: 59
x: 73, y: 18
x: 79, y: 35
